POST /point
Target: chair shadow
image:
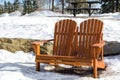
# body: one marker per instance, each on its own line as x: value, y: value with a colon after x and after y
x: 88, y: 72
x: 27, y: 70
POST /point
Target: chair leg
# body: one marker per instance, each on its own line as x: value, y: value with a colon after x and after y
x: 95, y: 68
x: 37, y: 66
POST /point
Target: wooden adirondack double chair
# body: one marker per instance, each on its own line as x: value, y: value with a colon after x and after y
x: 77, y: 46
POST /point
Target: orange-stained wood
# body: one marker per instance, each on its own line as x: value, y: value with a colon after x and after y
x: 77, y: 46
x: 90, y: 43
x: 63, y: 37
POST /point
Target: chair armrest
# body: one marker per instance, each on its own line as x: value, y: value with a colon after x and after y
x: 98, y: 45
x: 41, y: 42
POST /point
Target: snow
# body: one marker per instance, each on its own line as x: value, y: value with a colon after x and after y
x: 40, y: 25
x: 16, y: 13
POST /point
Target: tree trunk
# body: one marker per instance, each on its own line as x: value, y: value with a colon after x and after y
x: 49, y: 4
x: 117, y: 5
x: 52, y: 5
x: 62, y: 6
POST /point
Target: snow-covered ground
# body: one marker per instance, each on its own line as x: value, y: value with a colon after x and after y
x: 37, y: 26
x: 40, y: 25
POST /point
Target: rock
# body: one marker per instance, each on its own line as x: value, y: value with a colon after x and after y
x: 112, y: 48
x: 47, y: 48
x: 19, y: 44
x: 13, y: 48
x: 15, y: 44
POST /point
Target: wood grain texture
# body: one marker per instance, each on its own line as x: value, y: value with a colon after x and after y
x: 77, y: 46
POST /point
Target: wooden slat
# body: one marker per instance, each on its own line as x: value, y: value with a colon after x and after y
x: 87, y: 38
x: 64, y: 33
x: 66, y: 38
x: 55, y: 39
x: 63, y: 36
x: 59, y: 40
x: 89, y: 33
x: 66, y: 58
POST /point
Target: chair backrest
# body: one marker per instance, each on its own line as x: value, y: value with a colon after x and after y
x: 89, y: 32
x: 63, y: 37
